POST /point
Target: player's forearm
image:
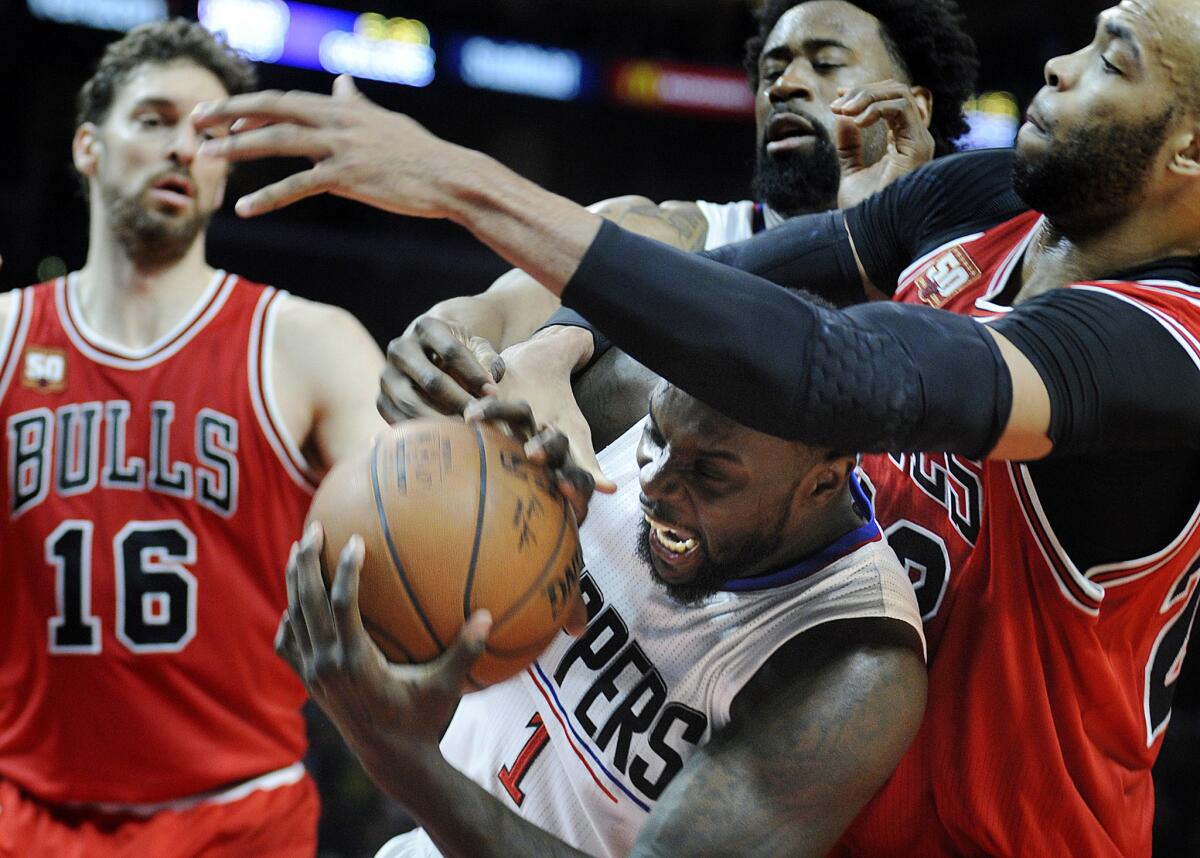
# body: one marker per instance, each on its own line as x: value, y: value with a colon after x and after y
x: 542, y: 233
x: 460, y: 817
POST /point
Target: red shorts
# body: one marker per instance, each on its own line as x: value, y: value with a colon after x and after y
x: 267, y: 823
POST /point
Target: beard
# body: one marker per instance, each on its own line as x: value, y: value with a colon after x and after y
x: 148, y: 237
x: 712, y: 575
x: 1093, y: 177
x: 799, y: 180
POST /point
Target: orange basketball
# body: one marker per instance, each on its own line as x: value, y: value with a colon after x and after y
x: 454, y: 518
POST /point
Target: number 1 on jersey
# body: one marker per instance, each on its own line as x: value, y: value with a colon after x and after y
x: 155, y: 593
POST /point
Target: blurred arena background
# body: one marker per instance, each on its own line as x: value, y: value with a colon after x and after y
x: 591, y: 99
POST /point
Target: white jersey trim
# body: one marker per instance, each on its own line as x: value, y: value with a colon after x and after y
x: 104, y: 351
x: 271, y: 780
x: 1047, y: 542
x: 12, y: 340
x: 259, y: 365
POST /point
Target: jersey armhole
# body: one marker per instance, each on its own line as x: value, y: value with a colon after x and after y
x: 12, y: 338
x: 260, y: 365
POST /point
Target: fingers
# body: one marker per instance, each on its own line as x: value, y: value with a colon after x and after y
x: 852, y: 101
x: 343, y: 596
x: 344, y: 86
x: 301, y: 108
x: 514, y: 415
x: 294, y: 611
x: 296, y: 187
x: 451, y: 351
x: 266, y: 141
x: 576, y: 622
x: 310, y: 590
x: 848, y: 137
x: 286, y: 646
x: 485, y: 356
x: 408, y: 366
x: 452, y: 669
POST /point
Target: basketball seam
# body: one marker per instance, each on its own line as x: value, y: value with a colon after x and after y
x: 378, y: 631
x: 387, y: 536
x: 470, y: 584
x: 537, y: 582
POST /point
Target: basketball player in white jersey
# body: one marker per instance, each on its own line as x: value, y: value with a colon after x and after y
x: 165, y: 424
x: 751, y: 671
x: 802, y: 55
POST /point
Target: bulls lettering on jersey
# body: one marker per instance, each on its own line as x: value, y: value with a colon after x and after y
x: 149, y: 499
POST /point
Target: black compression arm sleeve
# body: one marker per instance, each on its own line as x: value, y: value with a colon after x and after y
x: 567, y: 317
x: 875, y: 377
x: 1117, y: 379
x: 811, y: 252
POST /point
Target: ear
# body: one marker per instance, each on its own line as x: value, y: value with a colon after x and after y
x: 924, y: 99
x: 1185, y: 151
x: 86, y: 149
x: 827, y: 479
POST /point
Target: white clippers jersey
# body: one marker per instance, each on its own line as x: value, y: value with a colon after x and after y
x: 583, y: 743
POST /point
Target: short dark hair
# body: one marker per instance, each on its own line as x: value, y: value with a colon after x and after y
x: 160, y: 42
x: 925, y: 38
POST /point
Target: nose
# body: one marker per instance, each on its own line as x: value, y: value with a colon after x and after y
x: 185, y: 143
x: 1060, y: 71
x: 658, y: 481
x: 795, y: 82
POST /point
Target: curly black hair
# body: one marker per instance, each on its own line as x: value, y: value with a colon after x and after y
x: 926, y: 39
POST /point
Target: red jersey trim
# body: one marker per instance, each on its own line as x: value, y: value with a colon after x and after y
x: 12, y: 339
x: 262, y: 395
x: 104, y: 351
x: 1078, y: 590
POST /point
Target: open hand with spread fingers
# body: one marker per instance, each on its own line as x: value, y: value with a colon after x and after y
x: 381, y: 709
x: 359, y: 150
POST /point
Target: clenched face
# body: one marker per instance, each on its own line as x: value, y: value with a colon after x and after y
x: 157, y: 193
x: 721, y: 501
x: 1095, y: 142
x: 814, y: 49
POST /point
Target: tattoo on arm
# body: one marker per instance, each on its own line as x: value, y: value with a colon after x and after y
x: 680, y: 225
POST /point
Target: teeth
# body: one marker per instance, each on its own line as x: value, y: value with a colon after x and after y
x: 667, y: 538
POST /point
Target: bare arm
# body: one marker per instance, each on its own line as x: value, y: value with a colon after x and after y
x: 815, y: 733
x: 448, y: 353
x: 384, y: 159
x: 326, y: 368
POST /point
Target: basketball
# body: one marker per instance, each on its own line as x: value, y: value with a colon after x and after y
x: 454, y: 518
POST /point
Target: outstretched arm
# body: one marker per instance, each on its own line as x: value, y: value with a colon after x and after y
x: 815, y: 734
x: 384, y: 159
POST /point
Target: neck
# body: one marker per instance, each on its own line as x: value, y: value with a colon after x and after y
x: 1058, y: 256
x: 134, y: 303
x: 840, y: 518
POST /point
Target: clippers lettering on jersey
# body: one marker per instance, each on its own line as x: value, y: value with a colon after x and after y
x: 45, y: 369
x: 945, y: 276
x: 624, y: 709
x: 81, y: 446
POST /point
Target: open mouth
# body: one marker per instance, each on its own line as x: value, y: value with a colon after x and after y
x: 787, y: 131
x: 173, y: 188
x: 671, y: 542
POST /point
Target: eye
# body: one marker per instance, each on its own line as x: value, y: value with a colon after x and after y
x: 709, y: 473
x: 1109, y: 68
x: 150, y: 120
x: 827, y: 67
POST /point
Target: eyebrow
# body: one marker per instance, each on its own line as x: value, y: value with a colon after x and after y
x: 807, y: 46
x: 1119, y: 31
x: 153, y: 101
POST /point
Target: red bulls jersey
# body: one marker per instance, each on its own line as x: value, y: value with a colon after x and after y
x: 1050, y: 685
x: 149, y: 500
